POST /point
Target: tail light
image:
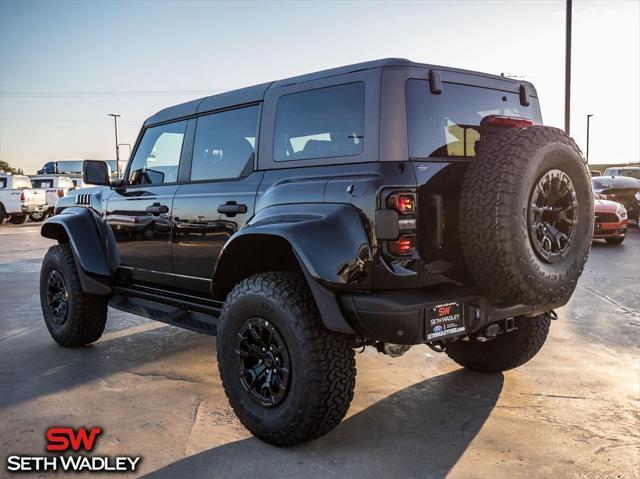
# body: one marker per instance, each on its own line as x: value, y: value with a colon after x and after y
x: 403, y: 203
x: 22, y: 196
x: 60, y: 193
x: 506, y: 121
x: 403, y: 246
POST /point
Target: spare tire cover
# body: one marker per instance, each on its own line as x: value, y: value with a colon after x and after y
x: 526, y: 215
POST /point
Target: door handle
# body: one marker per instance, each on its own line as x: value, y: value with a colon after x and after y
x: 157, y: 209
x: 231, y: 208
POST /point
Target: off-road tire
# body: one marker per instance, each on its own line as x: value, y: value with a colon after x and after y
x: 86, y: 314
x: 18, y: 219
x: 614, y: 240
x: 494, y: 215
x: 323, y: 368
x: 506, y: 351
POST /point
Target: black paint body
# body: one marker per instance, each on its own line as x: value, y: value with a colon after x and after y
x: 317, y: 215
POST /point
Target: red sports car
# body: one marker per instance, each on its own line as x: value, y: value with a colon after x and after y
x: 611, y: 221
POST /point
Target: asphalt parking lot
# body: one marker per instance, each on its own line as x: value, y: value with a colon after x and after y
x: 573, y: 411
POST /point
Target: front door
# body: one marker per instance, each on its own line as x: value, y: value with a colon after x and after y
x: 139, y: 212
x: 219, y: 198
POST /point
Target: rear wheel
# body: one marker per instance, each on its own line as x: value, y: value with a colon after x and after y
x: 506, y: 351
x: 73, y: 318
x: 614, y: 240
x: 288, y: 378
x: 38, y: 216
x: 526, y: 215
x: 18, y: 219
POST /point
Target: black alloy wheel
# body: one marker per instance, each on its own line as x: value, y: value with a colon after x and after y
x: 57, y: 296
x: 264, y: 362
x: 553, y: 212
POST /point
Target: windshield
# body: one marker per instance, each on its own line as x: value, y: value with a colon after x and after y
x: 633, y: 173
x: 448, y: 124
x: 610, y: 182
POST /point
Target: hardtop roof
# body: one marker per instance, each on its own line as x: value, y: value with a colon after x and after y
x: 256, y: 93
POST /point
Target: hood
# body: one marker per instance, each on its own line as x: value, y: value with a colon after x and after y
x: 605, y: 206
x: 615, y: 185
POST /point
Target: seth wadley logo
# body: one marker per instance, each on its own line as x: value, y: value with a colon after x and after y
x: 66, y: 439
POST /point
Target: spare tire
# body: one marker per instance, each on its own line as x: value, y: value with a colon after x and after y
x: 526, y: 215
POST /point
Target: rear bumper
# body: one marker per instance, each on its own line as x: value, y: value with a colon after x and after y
x: 27, y: 209
x: 401, y: 317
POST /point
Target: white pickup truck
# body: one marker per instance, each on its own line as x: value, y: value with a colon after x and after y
x: 55, y: 187
x: 18, y: 199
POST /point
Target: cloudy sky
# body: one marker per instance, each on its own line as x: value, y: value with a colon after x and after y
x: 64, y: 65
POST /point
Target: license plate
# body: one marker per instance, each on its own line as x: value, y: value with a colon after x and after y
x: 445, y: 320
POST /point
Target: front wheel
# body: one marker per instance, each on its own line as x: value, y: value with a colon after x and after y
x: 73, y: 317
x: 288, y: 378
x: 18, y: 219
x: 506, y: 351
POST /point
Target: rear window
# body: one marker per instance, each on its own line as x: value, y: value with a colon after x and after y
x: 321, y: 123
x: 21, y: 182
x: 42, y: 183
x: 447, y: 124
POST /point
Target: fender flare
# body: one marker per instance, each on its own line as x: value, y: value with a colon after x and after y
x: 92, y: 243
x: 330, y: 243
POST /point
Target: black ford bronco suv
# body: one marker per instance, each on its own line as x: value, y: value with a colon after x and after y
x: 388, y: 203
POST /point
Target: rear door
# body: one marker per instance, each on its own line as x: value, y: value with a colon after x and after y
x: 139, y: 212
x: 219, y: 197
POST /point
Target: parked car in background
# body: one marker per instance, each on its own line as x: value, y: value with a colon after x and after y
x: 595, y: 173
x: 18, y: 199
x: 610, y: 222
x: 74, y: 167
x: 55, y: 187
x: 621, y: 189
x: 632, y: 171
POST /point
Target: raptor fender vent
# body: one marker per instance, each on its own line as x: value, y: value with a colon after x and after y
x: 83, y: 199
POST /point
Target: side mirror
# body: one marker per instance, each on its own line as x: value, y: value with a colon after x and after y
x: 96, y: 173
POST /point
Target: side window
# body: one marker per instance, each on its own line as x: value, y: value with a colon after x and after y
x: 224, y: 144
x: 3, y: 183
x: 320, y: 123
x: 158, y: 155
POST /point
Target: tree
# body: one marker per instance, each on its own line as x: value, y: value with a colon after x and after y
x: 7, y: 168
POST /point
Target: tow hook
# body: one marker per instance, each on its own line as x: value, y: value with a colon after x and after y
x: 553, y: 315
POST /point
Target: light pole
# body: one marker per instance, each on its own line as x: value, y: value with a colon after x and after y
x: 588, y: 118
x: 567, y: 71
x: 115, y: 123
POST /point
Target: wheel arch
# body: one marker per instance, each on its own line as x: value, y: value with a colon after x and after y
x: 327, y: 242
x: 92, y: 244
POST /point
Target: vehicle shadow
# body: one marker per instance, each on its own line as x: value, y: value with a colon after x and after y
x: 420, y: 431
x: 53, y: 368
